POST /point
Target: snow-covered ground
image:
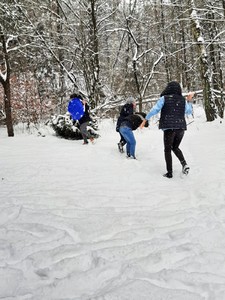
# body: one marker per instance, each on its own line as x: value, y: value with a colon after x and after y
x: 82, y: 222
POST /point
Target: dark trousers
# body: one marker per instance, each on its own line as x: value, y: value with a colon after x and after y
x: 84, y: 132
x: 122, y: 140
x: 172, y: 140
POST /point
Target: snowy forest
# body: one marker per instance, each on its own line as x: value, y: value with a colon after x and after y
x: 107, y: 50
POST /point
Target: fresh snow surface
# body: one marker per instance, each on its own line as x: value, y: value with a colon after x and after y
x: 83, y: 222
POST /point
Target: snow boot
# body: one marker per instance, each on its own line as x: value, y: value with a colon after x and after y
x: 185, y: 169
x: 168, y: 175
x: 120, y: 147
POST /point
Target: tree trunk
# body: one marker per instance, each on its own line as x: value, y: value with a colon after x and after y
x: 60, y: 43
x: 223, y: 2
x: 208, y: 99
x: 6, y: 86
x: 137, y: 84
x: 215, y: 58
x: 96, y: 66
x: 167, y: 68
x: 7, y: 101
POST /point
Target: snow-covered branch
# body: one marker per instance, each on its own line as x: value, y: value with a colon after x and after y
x: 151, y: 73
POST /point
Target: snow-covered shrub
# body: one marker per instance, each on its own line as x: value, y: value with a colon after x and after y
x: 67, y: 128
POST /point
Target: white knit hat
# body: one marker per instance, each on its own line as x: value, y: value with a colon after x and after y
x: 130, y: 100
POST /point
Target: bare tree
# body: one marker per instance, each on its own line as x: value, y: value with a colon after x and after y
x: 110, y: 49
x: 215, y: 54
x: 206, y: 73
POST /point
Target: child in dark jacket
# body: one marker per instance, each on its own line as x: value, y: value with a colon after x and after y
x: 126, y: 110
x: 126, y: 129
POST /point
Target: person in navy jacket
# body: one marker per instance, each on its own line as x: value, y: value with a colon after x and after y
x: 127, y: 109
x: 172, y: 107
x: 129, y: 124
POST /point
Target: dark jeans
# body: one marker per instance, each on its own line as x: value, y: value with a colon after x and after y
x: 172, y: 140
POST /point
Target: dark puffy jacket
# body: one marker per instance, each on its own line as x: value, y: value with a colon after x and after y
x: 86, y: 117
x: 173, y: 113
x: 126, y: 110
x: 134, y: 121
